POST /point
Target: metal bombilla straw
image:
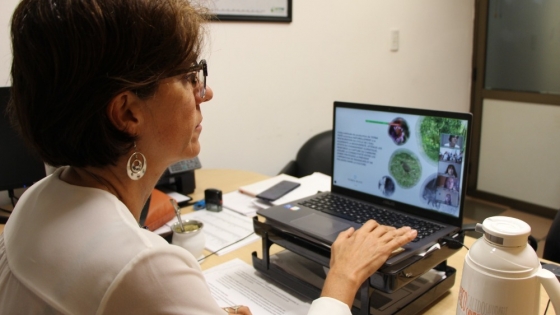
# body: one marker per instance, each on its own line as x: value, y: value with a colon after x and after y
x: 177, y: 213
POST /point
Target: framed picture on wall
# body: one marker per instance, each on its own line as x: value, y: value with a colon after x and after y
x: 252, y: 10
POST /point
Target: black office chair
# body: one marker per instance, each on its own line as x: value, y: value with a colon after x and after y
x: 552, y: 243
x: 314, y: 156
x: 4, y: 218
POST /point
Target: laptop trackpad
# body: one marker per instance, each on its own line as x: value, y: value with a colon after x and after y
x: 320, y: 225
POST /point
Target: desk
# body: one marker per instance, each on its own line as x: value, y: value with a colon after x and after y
x: 226, y: 180
x: 229, y: 180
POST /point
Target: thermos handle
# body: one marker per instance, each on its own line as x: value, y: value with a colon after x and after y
x: 552, y: 287
x: 479, y: 228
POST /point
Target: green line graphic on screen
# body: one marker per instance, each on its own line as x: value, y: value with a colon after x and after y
x: 377, y: 122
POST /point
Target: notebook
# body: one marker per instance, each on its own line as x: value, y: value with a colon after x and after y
x: 388, y: 161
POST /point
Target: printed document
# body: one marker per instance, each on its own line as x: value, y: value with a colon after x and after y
x: 238, y: 283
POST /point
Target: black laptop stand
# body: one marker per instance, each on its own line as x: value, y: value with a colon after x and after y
x: 405, y: 288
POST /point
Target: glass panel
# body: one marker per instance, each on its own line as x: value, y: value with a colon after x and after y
x: 523, y: 46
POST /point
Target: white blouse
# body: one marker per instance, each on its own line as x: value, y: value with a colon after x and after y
x: 68, y: 249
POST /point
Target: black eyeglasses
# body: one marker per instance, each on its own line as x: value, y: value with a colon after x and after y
x: 201, y: 70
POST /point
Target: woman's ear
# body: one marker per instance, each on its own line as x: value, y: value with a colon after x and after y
x: 125, y: 112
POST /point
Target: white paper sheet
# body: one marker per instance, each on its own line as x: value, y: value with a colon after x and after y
x: 240, y: 203
x: 310, y: 185
x: 178, y: 197
x: 243, y: 203
x: 237, y: 283
x: 256, y: 188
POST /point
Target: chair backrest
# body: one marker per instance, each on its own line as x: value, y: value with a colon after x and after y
x: 315, y: 155
x: 552, y: 244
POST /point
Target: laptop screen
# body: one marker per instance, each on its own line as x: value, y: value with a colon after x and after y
x: 412, y: 158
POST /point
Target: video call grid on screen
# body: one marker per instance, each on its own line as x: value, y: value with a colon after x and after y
x: 401, y: 157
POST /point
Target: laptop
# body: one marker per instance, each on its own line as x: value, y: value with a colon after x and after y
x: 397, y: 165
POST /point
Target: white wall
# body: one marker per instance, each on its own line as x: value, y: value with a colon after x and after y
x: 6, y: 9
x: 519, y: 152
x: 274, y: 83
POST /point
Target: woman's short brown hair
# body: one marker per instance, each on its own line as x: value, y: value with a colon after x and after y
x: 71, y: 57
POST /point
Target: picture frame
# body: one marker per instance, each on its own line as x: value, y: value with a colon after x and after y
x: 252, y: 10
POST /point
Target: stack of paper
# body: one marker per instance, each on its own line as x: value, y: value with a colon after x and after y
x: 237, y: 283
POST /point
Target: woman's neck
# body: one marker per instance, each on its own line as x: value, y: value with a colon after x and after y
x: 133, y: 194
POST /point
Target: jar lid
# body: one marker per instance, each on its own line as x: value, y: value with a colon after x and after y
x: 505, y: 231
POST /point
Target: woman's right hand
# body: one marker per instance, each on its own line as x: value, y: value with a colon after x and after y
x: 357, y: 254
x: 237, y: 309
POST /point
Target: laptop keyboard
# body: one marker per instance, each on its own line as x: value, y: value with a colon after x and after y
x: 360, y: 213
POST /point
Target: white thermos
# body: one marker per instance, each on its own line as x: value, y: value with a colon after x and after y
x: 502, y: 275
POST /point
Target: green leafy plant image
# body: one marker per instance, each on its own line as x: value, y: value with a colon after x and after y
x: 432, y: 127
x: 405, y: 168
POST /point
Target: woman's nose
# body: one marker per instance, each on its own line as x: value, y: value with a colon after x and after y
x: 209, y: 94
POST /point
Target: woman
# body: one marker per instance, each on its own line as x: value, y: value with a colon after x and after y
x: 398, y: 130
x: 447, y: 200
x: 453, y: 139
x: 110, y: 91
x: 451, y: 184
x: 450, y: 171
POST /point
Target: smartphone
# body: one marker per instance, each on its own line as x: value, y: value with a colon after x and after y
x: 278, y: 190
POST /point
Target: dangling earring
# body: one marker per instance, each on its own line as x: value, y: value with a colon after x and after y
x: 136, y: 166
